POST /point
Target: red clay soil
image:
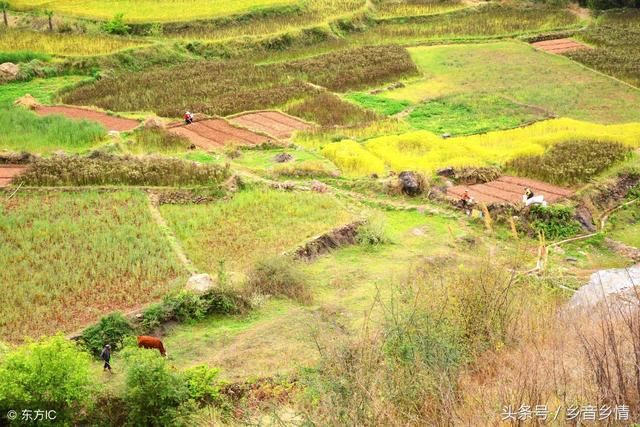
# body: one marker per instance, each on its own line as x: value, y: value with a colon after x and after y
x: 271, y: 122
x: 8, y: 172
x: 110, y: 122
x: 559, y: 45
x: 509, y: 189
x: 215, y: 133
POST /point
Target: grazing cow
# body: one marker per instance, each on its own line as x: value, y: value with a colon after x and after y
x: 152, y: 343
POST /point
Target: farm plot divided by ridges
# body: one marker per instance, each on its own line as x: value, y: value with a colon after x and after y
x: 8, y: 172
x: 215, y: 133
x: 271, y: 122
x: 509, y: 189
x: 559, y: 45
x: 69, y: 258
x: 110, y: 122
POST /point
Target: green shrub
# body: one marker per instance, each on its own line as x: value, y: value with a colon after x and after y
x: 555, y: 222
x: 202, y: 383
x: 22, y: 56
x: 116, y: 25
x: 112, y: 329
x: 52, y: 374
x: 154, y: 316
x: 186, y: 306
x: 571, y: 162
x: 279, y: 276
x: 153, y: 392
x: 373, y: 232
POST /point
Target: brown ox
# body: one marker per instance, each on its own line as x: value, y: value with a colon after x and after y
x: 152, y: 343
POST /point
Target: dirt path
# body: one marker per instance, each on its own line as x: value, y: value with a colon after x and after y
x: 509, y: 189
x: 112, y: 123
x: 9, y: 172
x: 171, y: 238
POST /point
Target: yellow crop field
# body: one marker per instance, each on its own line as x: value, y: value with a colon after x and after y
x: 62, y: 44
x: 426, y: 152
x: 353, y: 159
x: 150, y: 10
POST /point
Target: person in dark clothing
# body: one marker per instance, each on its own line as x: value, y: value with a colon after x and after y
x: 528, y: 193
x: 106, y: 356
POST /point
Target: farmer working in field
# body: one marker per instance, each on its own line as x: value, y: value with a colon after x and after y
x: 467, y: 202
x: 188, y: 118
x: 106, y: 356
x: 528, y: 193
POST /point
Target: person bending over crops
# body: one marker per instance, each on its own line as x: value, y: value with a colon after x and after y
x: 466, y: 201
x: 188, y: 118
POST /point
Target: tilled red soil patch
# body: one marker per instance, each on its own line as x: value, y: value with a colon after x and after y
x: 271, y: 122
x: 217, y: 133
x: 509, y: 189
x: 8, y: 172
x: 559, y: 45
x: 110, y: 122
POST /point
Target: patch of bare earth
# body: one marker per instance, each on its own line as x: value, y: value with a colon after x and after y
x: 559, y: 45
x: 9, y: 172
x: 509, y: 189
x: 216, y: 133
x: 271, y: 122
x: 75, y: 113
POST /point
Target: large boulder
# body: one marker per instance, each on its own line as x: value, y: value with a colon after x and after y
x: 9, y: 71
x: 283, y: 158
x: 153, y: 123
x: 411, y: 183
x: 200, y: 284
x: 611, y: 286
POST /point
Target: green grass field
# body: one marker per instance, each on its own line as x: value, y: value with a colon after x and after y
x: 44, y: 90
x: 252, y: 225
x: 476, y: 88
x: 69, y: 258
x: 150, y: 10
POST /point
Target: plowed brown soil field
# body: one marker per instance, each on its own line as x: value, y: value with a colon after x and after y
x: 215, y: 133
x: 559, y: 45
x: 110, y: 122
x: 8, y: 172
x: 509, y: 189
x: 271, y: 122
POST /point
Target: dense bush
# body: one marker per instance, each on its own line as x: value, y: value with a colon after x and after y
x: 186, y: 306
x: 571, y: 162
x: 202, y: 383
x: 49, y: 374
x: 555, y: 222
x: 127, y: 170
x: 153, y: 392
x: 111, y: 329
x: 373, y: 232
x: 281, y: 277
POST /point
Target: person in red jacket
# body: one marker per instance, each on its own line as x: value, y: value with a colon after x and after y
x: 188, y: 118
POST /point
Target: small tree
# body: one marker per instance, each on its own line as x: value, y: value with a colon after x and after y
x: 49, y: 14
x: 153, y: 392
x: 116, y: 25
x: 52, y: 374
x: 4, y: 6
